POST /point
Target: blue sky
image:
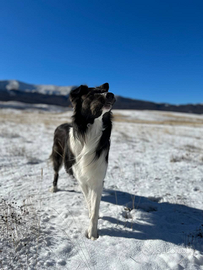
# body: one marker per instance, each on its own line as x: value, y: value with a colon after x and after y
x: 149, y: 50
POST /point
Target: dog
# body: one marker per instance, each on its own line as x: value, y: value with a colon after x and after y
x: 83, y: 146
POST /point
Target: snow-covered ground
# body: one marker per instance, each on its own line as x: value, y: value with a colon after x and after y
x: 151, y: 213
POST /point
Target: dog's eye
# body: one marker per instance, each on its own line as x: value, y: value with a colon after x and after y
x: 101, y: 98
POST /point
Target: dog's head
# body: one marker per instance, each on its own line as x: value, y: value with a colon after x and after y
x: 92, y: 102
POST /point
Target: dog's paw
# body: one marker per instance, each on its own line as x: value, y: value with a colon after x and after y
x: 91, y: 236
x: 53, y: 189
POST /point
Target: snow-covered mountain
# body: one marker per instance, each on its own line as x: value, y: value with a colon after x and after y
x: 8, y: 85
x: 13, y: 90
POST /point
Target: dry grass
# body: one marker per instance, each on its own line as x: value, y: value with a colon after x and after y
x: 20, y: 232
x: 35, y: 117
x: 55, y: 118
x: 173, y: 120
x: 192, y: 148
x: 180, y: 158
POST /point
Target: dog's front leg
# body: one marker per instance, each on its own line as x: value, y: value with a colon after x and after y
x: 86, y: 194
x: 95, y: 198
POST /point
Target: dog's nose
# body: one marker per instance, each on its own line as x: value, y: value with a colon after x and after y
x: 110, y: 96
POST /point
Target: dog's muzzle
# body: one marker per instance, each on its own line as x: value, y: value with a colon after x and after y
x: 110, y: 100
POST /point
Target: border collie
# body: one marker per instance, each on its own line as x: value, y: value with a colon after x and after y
x: 83, y: 146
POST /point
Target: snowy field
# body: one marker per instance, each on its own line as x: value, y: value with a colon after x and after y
x: 151, y: 213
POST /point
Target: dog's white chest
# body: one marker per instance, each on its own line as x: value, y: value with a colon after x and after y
x: 88, y: 167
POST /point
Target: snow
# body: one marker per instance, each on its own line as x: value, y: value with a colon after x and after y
x: 151, y: 213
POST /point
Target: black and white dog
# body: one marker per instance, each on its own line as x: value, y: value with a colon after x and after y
x: 83, y: 146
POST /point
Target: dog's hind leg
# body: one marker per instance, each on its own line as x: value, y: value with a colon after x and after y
x: 57, y: 159
x: 57, y: 155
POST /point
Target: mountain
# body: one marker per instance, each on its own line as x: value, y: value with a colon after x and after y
x: 9, y: 85
x: 58, y: 95
x: 30, y: 93
x: 134, y: 104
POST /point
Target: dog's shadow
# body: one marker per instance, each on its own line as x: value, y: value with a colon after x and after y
x: 147, y: 218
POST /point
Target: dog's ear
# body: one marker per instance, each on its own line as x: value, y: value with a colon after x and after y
x: 76, y: 94
x: 104, y: 87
